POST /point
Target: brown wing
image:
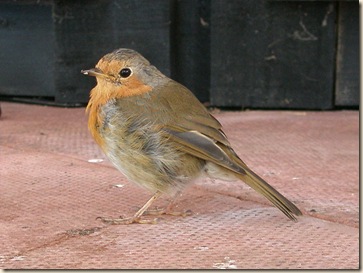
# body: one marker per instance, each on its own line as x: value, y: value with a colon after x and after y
x: 200, y: 134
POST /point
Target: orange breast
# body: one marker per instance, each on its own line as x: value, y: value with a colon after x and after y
x: 94, y: 119
x: 106, y: 91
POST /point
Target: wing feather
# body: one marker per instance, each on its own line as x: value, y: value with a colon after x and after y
x: 204, y: 147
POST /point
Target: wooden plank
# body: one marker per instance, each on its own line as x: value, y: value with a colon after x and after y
x: 26, y: 50
x: 191, y: 46
x: 86, y: 30
x: 347, y: 74
x: 82, y: 35
x: 272, y: 54
x: 144, y: 26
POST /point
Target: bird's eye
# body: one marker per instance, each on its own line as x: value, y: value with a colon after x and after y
x: 125, y: 72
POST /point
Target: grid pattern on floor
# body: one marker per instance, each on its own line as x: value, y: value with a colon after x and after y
x: 52, y: 195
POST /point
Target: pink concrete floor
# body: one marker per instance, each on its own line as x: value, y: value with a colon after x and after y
x: 52, y: 193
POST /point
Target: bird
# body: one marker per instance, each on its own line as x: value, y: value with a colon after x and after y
x: 160, y: 136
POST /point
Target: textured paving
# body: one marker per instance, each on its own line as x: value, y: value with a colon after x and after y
x: 51, y: 195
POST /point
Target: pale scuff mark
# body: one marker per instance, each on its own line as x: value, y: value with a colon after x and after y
x: 227, y: 264
x: 95, y: 160
x: 324, y: 23
x: 203, y: 22
x: 271, y: 58
x: 304, y: 35
x: 201, y: 248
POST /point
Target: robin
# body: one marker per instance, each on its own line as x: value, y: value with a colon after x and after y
x: 157, y: 133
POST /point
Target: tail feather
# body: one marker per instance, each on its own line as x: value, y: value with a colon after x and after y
x: 281, y: 202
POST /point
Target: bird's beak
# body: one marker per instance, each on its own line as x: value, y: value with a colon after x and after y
x: 95, y: 72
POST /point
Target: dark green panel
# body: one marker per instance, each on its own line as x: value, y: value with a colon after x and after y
x: 144, y: 26
x: 192, y: 44
x: 272, y: 54
x: 87, y: 30
x: 347, y: 77
x: 83, y: 31
x: 26, y: 50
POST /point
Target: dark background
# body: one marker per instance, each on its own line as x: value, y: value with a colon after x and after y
x: 231, y: 53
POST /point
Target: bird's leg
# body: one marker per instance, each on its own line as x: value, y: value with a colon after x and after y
x: 137, y: 217
x: 169, y: 210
